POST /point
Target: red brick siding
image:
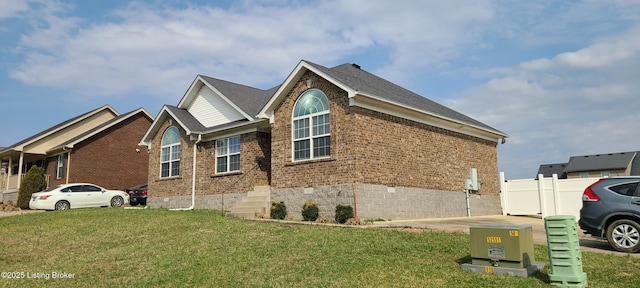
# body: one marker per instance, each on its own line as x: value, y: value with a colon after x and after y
x: 397, y: 152
x: 253, y: 146
x: 375, y: 148
x: 339, y: 168
x: 108, y: 159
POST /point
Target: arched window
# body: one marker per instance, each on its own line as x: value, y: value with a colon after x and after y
x: 311, y: 126
x: 170, y: 155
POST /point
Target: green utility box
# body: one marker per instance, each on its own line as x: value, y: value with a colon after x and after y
x: 502, y: 249
x: 502, y: 245
x: 564, y: 251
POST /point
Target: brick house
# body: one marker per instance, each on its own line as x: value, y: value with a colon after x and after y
x: 335, y: 135
x: 100, y: 147
x: 595, y: 165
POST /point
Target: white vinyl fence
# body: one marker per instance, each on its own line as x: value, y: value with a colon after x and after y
x: 543, y: 197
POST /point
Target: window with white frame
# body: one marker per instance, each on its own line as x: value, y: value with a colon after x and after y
x: 311, y: 126
x: 228, y: 154
x: 170, y: 153
x: 61, y: 165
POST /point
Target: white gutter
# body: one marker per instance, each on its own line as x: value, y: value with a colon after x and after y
x: 193, y: 180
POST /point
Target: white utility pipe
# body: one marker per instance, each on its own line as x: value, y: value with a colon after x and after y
x: 193, y: 180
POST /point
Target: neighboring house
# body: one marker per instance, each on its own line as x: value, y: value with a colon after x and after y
x: 547, y: 170
x: 332, y: 135
x: 100, y: 147
x: 597, y: 165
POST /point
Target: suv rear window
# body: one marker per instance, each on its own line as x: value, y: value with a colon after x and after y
x: 627, y: 189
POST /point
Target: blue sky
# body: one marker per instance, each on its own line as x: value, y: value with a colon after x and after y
x: 560, y: 77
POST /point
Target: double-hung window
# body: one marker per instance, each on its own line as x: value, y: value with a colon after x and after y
x: 228, y: 154
x: 170, y: 155
x: 61, y: 162
x: 311, y: 126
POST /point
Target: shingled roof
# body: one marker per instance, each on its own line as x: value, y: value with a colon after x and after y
x: 249, y: 99
x: 254, y: 102
x: 547, y: 170
x: 57, y: 127
x: 365, y: 82
x: 69, y: 143
x: 601, y: 162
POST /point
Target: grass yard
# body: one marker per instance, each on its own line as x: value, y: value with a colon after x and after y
x: 111, y: 247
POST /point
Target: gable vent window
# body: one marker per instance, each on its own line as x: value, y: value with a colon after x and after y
x: 170, y: 155
x: 228, y: 154
x: 311, y: 126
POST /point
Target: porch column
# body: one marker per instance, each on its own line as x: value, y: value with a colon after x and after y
x: 20, y: 172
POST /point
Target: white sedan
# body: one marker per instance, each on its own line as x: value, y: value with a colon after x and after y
x: 77, y: 195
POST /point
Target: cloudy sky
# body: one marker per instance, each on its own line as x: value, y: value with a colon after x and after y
x: 562, y: 78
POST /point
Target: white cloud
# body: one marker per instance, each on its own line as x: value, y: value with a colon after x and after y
x: 575, y: 103
x: 158, y: 50
x: 9, y: 8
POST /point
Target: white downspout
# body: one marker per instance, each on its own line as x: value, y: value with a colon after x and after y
x: 68, y: 166
x: 193, y: 180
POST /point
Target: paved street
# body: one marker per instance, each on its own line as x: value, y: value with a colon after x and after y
x: 462, y: 224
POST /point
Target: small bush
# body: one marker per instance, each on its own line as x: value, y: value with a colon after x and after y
x: 33, y: 181
x: 323, y: 219
x: 310, y: 211
x: 343, y: 212
x: 278, y: 210
x: 354, y: 221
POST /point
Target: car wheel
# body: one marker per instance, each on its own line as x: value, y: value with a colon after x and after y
x: 117, y: 201
x: 62, y: 205
x: 143, y: 202
x: 624, y: 235
x: 133, y: 203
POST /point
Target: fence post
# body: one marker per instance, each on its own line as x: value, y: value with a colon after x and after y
x: 503, y: 194
x: 556, y: 194
x: 542, y: 198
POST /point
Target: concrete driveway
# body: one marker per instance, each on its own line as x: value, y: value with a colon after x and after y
x: 462, y: 225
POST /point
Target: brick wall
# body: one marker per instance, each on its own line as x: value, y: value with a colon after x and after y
x: 109, y: 159
x: 254, y: 168
x: 339, y: 168
x: 374, y: 148
x: 397, y: 152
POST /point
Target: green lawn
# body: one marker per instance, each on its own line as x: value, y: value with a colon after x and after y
x: 111, y: 247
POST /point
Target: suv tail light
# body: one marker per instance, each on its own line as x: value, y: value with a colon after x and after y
x: 589, y: 195
x: 144, y: 192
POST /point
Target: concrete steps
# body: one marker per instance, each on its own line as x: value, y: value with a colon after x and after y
x: 256, y: 201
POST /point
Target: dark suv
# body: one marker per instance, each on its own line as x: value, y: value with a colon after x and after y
x: 138, y: 195
x: 611, y: 209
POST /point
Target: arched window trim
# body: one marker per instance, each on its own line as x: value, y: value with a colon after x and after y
x: 170, y: 153
x: 311, y: 129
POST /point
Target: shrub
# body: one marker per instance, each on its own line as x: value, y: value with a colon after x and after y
x: 343, y: 212
x: 323, y: 219
x: 33, y: 181
x: 278, y: 210
x: 310, y: 211
x: 354, y: 221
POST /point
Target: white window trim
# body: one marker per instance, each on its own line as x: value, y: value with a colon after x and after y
x: 227, y: 155
x: 61, y: 165
x: 171, y: 161
x: 311, y: 136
